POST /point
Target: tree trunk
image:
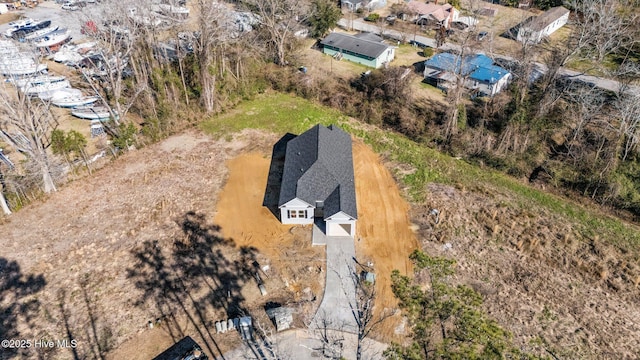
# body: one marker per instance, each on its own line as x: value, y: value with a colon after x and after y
x: 3, y: 202
x: 47, y: 181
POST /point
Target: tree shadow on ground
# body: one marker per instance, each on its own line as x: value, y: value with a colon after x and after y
x: 18, y: 306
x: 200, y: 274
x: 272, y: 191
x: 86, y: 334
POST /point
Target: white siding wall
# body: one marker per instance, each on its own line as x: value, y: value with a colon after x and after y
x: 555, y: 25
x: 292, y: 215
x: 296, y: 212
x: 385, y: 57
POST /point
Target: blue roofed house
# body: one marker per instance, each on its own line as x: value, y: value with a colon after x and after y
x: 318, y: 181
x: 362, y: 50
x: 478, y: 72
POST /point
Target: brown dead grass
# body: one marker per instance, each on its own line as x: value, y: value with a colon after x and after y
x: 539, y: 276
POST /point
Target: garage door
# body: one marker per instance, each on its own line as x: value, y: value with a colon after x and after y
x: 335, y: 229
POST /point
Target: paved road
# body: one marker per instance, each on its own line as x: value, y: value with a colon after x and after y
x: 361, y: 25
x: 304, y: 345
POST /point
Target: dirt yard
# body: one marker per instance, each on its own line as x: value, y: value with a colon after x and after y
x: 384, y: 230
x: 384, y: 235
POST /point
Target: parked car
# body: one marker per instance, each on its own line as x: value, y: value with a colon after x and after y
x: 418, y: 44
x: 391, y: 19
x: 460, y: 25
x: 70, y: 7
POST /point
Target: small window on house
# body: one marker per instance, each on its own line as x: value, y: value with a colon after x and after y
x: 293, y: 214
x: 302, y: 214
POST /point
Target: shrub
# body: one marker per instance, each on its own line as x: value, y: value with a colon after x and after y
x: 373, y: 17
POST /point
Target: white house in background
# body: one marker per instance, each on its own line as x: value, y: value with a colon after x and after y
x: 433, y: 14
x: 536, y: 28
x: 353, y: 5
x: 318, y: 181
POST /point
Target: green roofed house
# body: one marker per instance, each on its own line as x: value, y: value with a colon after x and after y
x: 318, y: 181
x: 363, y: 50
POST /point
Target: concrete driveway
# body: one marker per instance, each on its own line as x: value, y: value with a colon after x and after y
x: 335, y: 311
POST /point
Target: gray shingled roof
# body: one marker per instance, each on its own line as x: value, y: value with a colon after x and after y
x: 537, y: 23
x: 369, y: 36
x: 353, y: 44
x: 318, y: 166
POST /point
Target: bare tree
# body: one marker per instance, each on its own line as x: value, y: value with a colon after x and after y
x: 26, y: 125
x: 330, y: 335
x: 366, y: 317
x: 279, y: 20
x: 627, y: 107
x: 608, y: 26
x: 117, y: 42
x: 3, y: 200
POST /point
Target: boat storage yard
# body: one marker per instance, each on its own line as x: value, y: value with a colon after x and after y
x: 51, y: 33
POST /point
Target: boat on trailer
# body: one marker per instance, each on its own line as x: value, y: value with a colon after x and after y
x: 92, y: 113
x: 40, y: 33
x: 66, y: 99
x: 20, y: 28
x: 44, y: 85
x: 53, y: 39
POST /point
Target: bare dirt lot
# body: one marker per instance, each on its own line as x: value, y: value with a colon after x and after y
x: 150, y: 240
x: 384, y: 235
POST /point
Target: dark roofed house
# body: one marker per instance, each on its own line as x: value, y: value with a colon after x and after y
x: 186, y: 348
x: 318, y: 181
x: 536, y: 28
x: 363, y: 50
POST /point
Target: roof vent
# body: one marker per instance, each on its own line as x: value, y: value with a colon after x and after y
x: 298, y: 152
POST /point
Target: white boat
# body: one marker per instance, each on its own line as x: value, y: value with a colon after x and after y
x: 55, y: 38
x: 35, y: 79
x: 20, y: 28
x: 45, y: 85
x: 68, y: 55
x: 72, y: 101
x: 40, y: 33
x: 170, y: 10
x: 13, y: 70
x: 59, y: 93
x: 92, y: 113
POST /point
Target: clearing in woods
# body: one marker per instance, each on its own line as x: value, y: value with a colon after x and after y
x: 384, y: 236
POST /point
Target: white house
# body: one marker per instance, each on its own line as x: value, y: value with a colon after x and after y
x: 534, y: 29
x: 318, y: 181
x: 353, y: 5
